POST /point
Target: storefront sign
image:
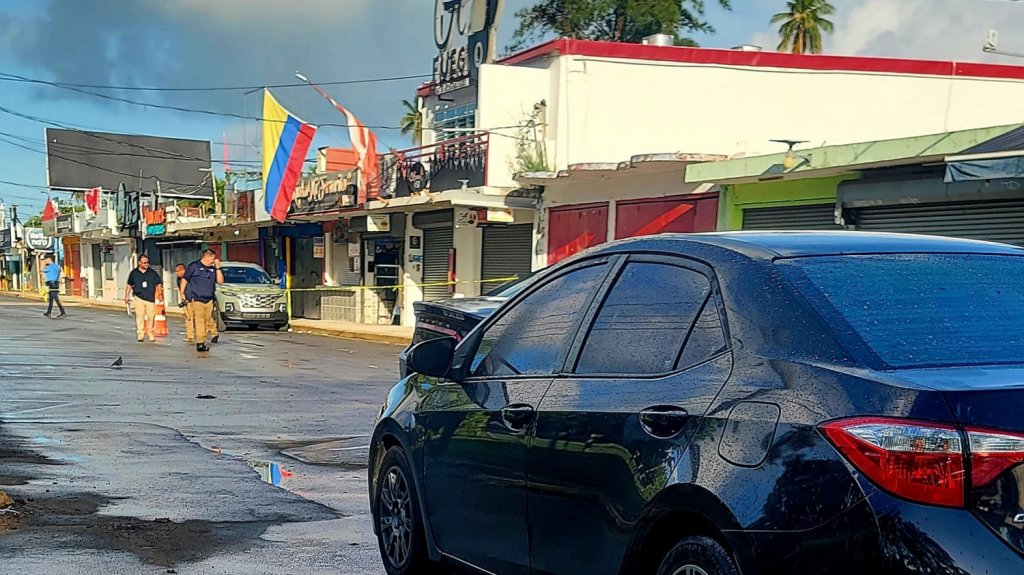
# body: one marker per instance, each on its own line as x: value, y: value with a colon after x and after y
x: 496, y: 216
x: 378, y: 223
x: 415, y: 242
x: 156, y: 229
x: 5, y: 239
x: 353, y: 250
x: 465, y: 217
x: 462, y: 31
x: 325, y: 192
x: 318, y: 248
x: 65, y: 224
x: 36, y: 239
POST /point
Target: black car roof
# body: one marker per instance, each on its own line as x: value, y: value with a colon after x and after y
x: 771, y: 245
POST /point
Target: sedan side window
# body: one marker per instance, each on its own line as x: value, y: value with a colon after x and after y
x: 645, y: 322
x: 533, y: 337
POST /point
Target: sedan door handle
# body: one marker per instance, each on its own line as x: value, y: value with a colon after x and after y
x: 517, y: 416
x: 663, y: 421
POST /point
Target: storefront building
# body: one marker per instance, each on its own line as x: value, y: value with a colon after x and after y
x: 902, y: 185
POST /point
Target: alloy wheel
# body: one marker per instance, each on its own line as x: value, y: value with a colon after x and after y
x: 396, y: 517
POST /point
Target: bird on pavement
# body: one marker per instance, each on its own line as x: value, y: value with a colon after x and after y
x: 117, y: 362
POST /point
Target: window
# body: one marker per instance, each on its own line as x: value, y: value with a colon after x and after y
x: 645, y: 320
x: 454, y: 122
x: 706, y: 339
x: 921, y: 310
x: 533, y: 337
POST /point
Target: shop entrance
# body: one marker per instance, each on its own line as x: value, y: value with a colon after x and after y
x: 386, y: 267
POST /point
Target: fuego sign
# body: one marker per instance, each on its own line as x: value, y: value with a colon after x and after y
x: 463, y: 30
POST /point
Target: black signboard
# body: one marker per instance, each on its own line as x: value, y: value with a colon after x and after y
x: 325, y: 192
x: 5, y: 239
x: 444, y: 166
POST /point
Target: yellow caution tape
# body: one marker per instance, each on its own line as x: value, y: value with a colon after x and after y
x: 397, y: 287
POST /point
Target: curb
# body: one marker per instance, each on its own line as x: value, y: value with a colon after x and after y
x: 310, y: 330
x: 361, y: 336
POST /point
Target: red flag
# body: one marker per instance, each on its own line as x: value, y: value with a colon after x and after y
x: 50, y: 212
x: 92, y: 200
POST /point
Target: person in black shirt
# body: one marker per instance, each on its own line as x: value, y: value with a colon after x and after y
x: 143, y: 283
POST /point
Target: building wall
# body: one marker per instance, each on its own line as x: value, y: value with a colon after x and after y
x: 609, y: 109
x: 612, y: 188
x: 734, y: 199
x: 507, y: 97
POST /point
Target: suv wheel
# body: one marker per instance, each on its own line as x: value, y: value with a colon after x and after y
x: 397, y: 512
x: 697, y: 555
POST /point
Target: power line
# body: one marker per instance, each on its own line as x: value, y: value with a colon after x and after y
x: 187, y: 110
x: 6, y: 77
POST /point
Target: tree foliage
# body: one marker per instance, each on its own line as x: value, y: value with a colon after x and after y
x: 802, y: 25
x: 412, y: 122
x: 612, y: 20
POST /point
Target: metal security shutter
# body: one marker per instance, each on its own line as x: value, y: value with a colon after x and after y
x: 437, y: 242
x: 811, y: 217
x: 997, y: 221
x: 507, y: 252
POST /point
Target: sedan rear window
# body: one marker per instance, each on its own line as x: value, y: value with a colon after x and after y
x: 921, y: 310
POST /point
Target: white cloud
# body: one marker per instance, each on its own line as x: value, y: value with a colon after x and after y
x: 927, y: 29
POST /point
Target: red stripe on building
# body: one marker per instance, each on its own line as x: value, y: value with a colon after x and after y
x: 713, y: 56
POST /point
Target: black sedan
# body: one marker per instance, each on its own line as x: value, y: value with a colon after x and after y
x: 456, y: 317
x: 719, y: 404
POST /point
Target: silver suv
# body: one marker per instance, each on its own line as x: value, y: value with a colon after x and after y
x: 250, y: 297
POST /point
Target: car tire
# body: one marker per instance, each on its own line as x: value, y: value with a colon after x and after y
x: 400, y: 536
x: 697, y: 555
x: 280, y: 326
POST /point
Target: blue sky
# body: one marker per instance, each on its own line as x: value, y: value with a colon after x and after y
x: 257, y: 42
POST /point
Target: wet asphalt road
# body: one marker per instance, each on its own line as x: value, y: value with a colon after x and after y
x: 127, y: 471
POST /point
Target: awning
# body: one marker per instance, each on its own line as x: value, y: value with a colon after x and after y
x: 1001, y: 157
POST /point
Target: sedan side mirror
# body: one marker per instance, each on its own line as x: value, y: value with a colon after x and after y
x: 432, y: 358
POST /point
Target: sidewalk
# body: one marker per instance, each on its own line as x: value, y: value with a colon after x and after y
x: 391, y: 334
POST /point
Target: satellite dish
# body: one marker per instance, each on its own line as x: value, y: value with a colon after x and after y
x: 992, y: 42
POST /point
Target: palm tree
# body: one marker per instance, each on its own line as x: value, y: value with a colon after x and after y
x: 412, y: 122
x: 803, y: 24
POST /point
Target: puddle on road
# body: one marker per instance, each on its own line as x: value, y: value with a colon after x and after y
x: 269, y: 471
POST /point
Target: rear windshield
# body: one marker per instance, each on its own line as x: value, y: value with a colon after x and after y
x: 921, y: 310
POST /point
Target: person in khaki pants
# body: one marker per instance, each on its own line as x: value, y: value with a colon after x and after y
x: 200, y: 286
x: 143, y: 284
x: 179, y: 271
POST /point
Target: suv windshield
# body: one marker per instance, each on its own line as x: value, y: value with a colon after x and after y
x: 921, y: 310
x: 245, y: 275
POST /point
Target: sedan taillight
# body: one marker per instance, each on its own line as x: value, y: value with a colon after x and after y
x: 916, y: 460
x: 924, y: 461
x: 992, y: 453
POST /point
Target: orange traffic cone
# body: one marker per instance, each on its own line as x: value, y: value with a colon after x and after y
x: 160, y: 321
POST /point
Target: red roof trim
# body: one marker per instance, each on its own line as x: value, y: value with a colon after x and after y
x: 714, y: 56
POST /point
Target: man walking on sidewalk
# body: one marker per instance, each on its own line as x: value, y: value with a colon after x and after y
x: 143, y: 283
x: 200, y: 286
x: 51, y: 272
